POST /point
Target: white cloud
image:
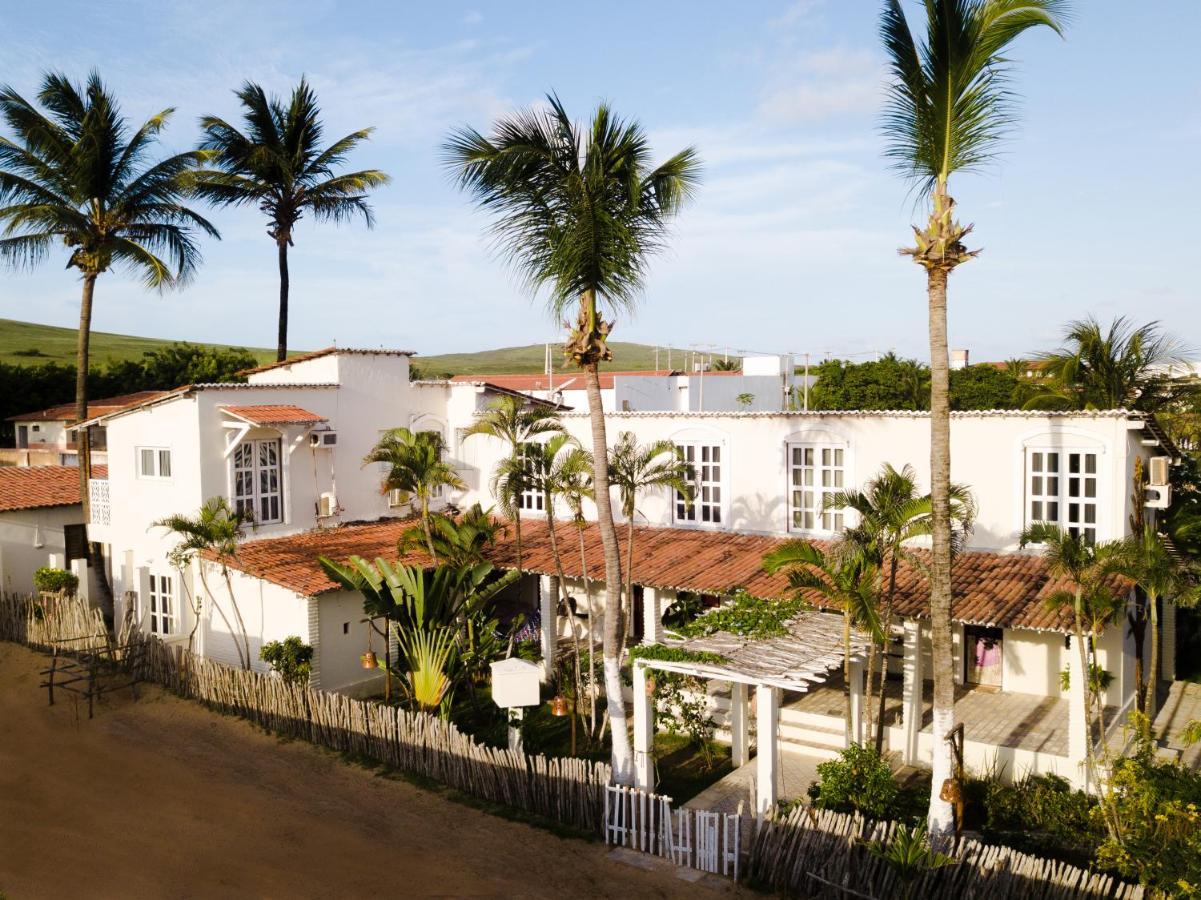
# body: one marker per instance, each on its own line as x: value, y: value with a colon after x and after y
x: 822, y: 85
x: 474, y: 17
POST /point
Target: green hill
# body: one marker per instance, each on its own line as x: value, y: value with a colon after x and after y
x: 25, y: 343
x: 529, y: 359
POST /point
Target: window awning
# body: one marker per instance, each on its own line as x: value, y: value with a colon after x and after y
x: 273, y: 414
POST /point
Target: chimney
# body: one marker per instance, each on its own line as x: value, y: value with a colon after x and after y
x: 959, y: 359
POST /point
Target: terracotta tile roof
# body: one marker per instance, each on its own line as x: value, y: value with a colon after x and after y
x: 317, y: 354
x: 563, y: 381
x: 996, y: 589
x: 274, y: 414
x: 31, y: 487
x: 66, y: 412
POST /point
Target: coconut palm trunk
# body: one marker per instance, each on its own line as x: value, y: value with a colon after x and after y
x: 623, y: 768
x: 941, y: 813
x: 886, y: 624
x: 1149, y: 701
x: 281, y: 343
x: 591, y: 635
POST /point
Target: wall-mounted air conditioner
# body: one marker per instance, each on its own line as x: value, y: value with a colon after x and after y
x: 1157, y: 471
x: 322, y: 439
x: 327, y: 505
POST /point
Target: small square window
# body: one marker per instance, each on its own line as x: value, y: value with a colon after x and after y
x: 346, y: 628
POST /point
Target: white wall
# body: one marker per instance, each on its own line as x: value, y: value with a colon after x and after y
x: 28, y: 538
x: 1031, y: 662
x: 268, y: 612
x: 342, y: 639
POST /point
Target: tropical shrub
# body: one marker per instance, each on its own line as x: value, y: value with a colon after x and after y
x: 746, y: 616
x: 291, y: 659
x: 1044, y: 815
x: 52, y: 581
x: 859, y: 780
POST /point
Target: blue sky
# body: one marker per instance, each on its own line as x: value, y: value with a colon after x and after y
x: 791, y: 243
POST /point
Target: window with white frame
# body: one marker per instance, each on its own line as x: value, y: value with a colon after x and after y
x: 815, y: 472
x: 257, y: 480
x: 531, y: 499
x: 706, y: 463
x: 154, y: 462
x: 162, y: 605
x: 1061, y: 489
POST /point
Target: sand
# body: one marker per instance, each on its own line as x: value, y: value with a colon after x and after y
x: 163, y: 798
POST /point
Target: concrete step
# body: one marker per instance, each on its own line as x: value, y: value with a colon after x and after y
x: 818, y: 737
x: 791, y: 716
x: 800, y: 749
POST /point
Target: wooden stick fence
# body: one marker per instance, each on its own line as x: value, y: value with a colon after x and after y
x: 45, y: 621
x: 823, y: 854
x: 691, y: 838
x: 569, y: 791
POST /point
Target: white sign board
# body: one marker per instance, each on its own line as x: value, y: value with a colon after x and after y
x: 516, y: 682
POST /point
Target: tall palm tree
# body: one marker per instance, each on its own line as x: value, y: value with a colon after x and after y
x: 516, y: 423
x: 279, y: 165
x: 634, y: 470
x: 948, y: 108
x: 72, y: 174
x: 215, y: 530
x: 573, y: 484
x: 1087, y: 567
x: 580, y: 211
x: 847, y: 578
x: 890, y: 514
x: 416, y: 469
x: 1160, y: 575
x: 1110, y: 367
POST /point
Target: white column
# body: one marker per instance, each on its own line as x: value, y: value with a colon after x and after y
x: 1078, y: 728
x: 767, y: 703
x: 644, y: 731
x: 548, y: 605
x: 654, y: 603
x: 856, y: 723
x: 1167, y: 641
x: 911, y: 697
x: 79, y: 568
x: 740, y: 732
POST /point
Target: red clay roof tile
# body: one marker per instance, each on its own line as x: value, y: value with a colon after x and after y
x: 31, y: 487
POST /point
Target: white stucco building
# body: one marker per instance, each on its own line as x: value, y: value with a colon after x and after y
x: 289, y: 445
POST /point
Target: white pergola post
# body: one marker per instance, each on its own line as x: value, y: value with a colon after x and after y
x: 548, y: 603
x: 644, y: 731
x: 1078, y: 725
x: 911, y: 697
x: 654, y: 604
x: 856, y: 723
x: 1167, y: 641
x: 740, y: 732
x: 767, y: 710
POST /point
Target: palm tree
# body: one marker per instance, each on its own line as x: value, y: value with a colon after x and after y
x: 279, y: 165
x: 947, y: 110
x: 580, y: 211
x: 573, y: 484
x: 213, y: 531
x: 515, y: 422
x: 416, y: 469
x: 890, y: 514
x: 1111, y: 367
x: 847, y: 578
x: 72, y: 174
x: 1159, y: 574
x: 1088, y: 568
x: 634, y: 470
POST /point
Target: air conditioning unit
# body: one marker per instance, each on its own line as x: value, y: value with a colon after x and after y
x: 327, y: 505
x: 321, y: 439
x: 1157, y: 471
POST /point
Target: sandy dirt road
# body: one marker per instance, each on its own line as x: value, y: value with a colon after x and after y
x: 162, y: 798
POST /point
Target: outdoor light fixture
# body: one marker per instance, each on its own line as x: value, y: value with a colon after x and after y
x: 560, y: 706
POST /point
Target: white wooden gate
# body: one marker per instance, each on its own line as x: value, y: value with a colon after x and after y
x: 691, y: 838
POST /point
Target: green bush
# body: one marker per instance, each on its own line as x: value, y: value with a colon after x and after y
x: 291, y: 658
x: 859, y: 780
x: 55, y: 580
x: 1043, y: 814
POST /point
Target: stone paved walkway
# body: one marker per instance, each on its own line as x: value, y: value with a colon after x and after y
x: 797, y: 772
x: 1181, y: 706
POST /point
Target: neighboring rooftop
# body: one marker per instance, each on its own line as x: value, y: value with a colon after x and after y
x: 992, y: 589
x: 317, y: 354
x: 33, y: 487
x: 565, y: 381
x: 65, y: 412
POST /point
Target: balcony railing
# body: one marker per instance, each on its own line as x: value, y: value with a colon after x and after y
x: 101, y: 510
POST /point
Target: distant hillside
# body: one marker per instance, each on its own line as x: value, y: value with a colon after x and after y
x: 531, y: 359
x: 25, y: 343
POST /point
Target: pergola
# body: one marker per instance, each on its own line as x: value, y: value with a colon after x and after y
x: 812, y: 648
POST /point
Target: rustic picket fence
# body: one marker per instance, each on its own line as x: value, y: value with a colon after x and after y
x: 690, y: 838
x: 51, y: 620
x: 824, y: 854
x: 569, y: 791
